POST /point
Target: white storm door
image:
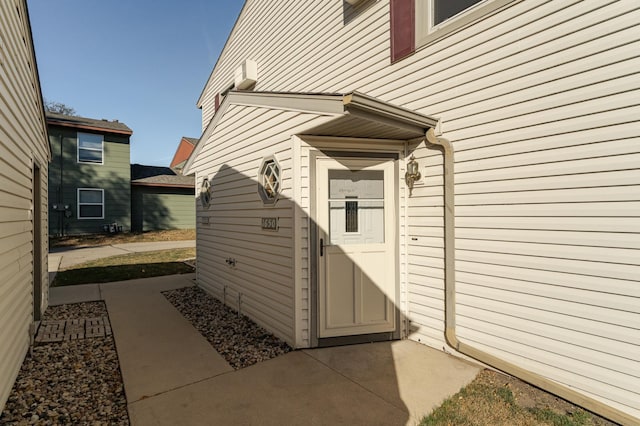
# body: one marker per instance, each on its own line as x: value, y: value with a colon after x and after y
x: 357, y: 227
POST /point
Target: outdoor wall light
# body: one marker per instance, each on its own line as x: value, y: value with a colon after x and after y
x: 205, y: 193
x: 412, y: 174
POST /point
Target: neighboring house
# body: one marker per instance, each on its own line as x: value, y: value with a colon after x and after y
x: 24, y: 158
x: 161, y: 199
x: 185, y: 148
x: 519, y: 243
x: 89, y: 177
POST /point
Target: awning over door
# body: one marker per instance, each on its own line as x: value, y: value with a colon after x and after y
x: 363, y: 116
x: 349, y: 115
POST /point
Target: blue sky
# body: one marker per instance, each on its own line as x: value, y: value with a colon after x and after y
x: 142, y: 62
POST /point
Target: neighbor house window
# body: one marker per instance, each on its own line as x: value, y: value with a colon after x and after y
x: 435, y: 18
x: 90, y: 203
x: 90, y: 148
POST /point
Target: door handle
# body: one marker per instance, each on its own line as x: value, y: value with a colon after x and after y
x: 321, y: 247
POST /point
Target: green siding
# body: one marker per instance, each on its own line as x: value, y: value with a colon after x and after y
x: 114, y: 177
x: 155, y: 208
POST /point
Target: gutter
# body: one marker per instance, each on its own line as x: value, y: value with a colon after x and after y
x: 450, y: 306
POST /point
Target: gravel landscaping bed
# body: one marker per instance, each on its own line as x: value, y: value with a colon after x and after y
x: 79, y: 382
x: 69, y: 382
x: 238, y: 339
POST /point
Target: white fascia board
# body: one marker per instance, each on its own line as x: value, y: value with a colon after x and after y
x: 186, y: 170
x: 200, y: 100
x: 320, y: 104
x: 359, y: 104
x: 312, y: 103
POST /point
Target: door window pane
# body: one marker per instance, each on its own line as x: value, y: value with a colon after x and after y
x: 356, y: 207
x: 351, y: 216
x: 358, y: 184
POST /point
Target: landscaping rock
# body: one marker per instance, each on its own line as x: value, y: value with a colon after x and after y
x: 237, y: 338
x: 71, y: 381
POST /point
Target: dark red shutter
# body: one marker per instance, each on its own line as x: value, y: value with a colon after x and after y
x: 217, y: 104
x: 403, y: 28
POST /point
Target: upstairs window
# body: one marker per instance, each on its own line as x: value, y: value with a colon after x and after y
x: 445, y: 9
x: 90, y: 148
x: 436, y: 18
x: 90, y: 203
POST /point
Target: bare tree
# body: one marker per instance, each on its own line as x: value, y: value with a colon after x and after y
x: 58, y: 107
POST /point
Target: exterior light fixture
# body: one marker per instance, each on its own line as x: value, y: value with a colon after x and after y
x: 412, y: 174
x: 205, y: 193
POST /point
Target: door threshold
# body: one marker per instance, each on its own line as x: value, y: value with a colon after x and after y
x: 357, y: 339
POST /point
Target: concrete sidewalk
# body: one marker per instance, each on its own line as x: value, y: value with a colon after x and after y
x: 64, y: 257
x: 172, y: 375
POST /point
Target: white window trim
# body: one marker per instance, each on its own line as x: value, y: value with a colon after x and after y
x: 427, y: 33
x: 89, y: 149
x: 78, y: 203
x: 267, y: 199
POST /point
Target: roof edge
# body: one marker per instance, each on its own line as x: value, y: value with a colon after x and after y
x: 328, y: 104
x: 56, y: 122
x: 36, y: 72
x: 163, y: 185
x: 226, y: 43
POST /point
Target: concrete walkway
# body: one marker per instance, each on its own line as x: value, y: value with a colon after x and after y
x: 172, y: 375
x: 64, y: 257
x: 159, y: 350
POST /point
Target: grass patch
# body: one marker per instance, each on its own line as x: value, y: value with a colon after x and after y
x: 157, y: 256
x: 579, y: 418
x: 494, y: 399
x: 478, y: 404
x: 127, y: 267
x: 127, y: 237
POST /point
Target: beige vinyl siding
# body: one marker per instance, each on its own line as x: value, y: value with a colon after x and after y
x: 23, y: 141
x: 540, y: 101
x: 546, y: 200
x: 425, y: 286
x: 265, y: 266
x: 559, y: 299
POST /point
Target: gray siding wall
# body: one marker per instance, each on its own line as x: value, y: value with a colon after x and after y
x: 114, y: 176
x: 23, y: 141
x: 155, y: 208
x: 540, y: 102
